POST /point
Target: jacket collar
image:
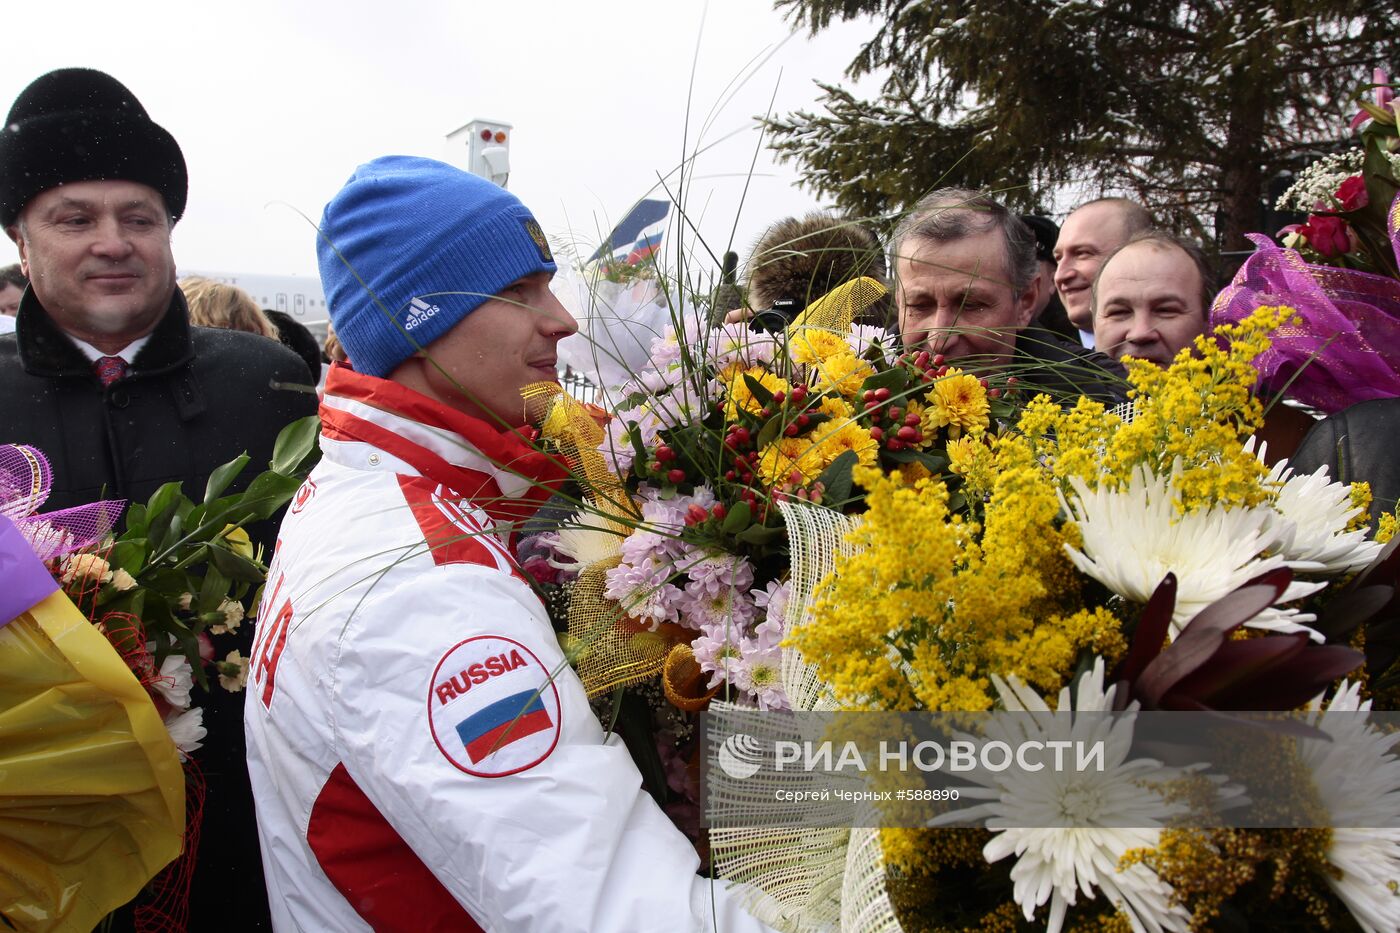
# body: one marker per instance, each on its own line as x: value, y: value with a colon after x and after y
x: 494, y: 469
x: 45, y: 350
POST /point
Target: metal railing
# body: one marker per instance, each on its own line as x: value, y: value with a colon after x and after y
x: 579, y: 386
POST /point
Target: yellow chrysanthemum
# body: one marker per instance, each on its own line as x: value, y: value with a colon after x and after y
x: 843, y: 373
x: 909, y: 474
x: 959, y: 403
x: 777, y: 461
x: 833, y: 442
x: 814, y: 345
x: 837, y: 407
x: 739, y: 398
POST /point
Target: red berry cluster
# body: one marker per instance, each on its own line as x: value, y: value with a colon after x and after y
x: 794, y: 489
x: 697, y: 515
x: 660, y: 457
x: 739, y: 445
x: 893, y: 428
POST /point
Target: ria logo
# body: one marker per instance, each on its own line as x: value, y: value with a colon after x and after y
x: 418, y: 313
x: 740, y: 756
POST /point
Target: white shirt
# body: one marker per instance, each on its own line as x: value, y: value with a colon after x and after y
x: 127, y: 352
x: 1086, y: 337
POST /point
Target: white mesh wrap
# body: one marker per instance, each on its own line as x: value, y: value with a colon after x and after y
x: 809, y: 879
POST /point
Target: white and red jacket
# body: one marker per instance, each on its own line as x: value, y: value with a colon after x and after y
x: 422, y: 757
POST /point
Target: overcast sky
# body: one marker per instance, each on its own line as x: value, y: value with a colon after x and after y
x: 275, y: 103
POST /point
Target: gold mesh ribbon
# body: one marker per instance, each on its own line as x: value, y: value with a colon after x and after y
x: 684, y: 681
x: 613, y: 650
x: 838, y: 308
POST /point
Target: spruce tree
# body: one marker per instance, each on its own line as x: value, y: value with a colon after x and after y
x: 1189, y: 106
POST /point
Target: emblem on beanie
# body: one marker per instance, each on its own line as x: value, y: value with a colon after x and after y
x: 419, y: 311
x: 537, y: 234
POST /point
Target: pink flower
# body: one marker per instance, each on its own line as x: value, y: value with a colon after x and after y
x: 1327, y: 235
x: 1351, y: 194
x: 1384, y: 95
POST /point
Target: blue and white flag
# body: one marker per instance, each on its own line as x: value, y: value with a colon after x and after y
x: 638, y: 235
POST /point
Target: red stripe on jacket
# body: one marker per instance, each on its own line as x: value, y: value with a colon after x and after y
x: 373, y: 868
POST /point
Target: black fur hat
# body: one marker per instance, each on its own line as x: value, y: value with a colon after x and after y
x: 804, y: 259
x: 77, y: 124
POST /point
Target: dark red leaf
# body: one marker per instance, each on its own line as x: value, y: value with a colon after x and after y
x: 1151, y: 633
x: 1351, y: 607
x: 1204, y: 634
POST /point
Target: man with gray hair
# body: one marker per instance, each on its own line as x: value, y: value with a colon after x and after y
x: 965, y: 289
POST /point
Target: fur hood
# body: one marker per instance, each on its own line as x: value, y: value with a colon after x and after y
x: 805, y: 258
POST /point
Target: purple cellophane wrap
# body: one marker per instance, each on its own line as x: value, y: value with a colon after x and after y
x: 1344, y: 347
x: 25, y: 481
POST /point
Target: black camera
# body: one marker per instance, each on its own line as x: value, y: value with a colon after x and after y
x: 775, y: 320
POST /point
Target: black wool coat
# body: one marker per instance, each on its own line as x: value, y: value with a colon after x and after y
x: 195, y: 398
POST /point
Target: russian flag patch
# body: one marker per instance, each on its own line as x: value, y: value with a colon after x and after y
x: 493, y: 707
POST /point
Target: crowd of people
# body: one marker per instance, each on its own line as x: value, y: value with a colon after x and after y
x: 391, y: 785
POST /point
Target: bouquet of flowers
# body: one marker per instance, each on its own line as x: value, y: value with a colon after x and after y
x: 1348, y: 195
x: 1093, y: 562
x: 672, y: 577
x: 1338, y: 271
x: 110, y: 637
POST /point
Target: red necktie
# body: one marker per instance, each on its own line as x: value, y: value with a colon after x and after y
x: 109, y: 369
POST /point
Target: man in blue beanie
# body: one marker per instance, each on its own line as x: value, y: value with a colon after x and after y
x: 422, y: 756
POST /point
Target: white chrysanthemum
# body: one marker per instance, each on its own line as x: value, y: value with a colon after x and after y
x: 588, y: 542
x: 174, y: 681
x: 186, y: 729
x: 1133, y: 537
x: 1108, y: 812
x: 1357, y: 776
x: 1318, y: 511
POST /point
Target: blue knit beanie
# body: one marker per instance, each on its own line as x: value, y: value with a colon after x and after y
x: 431, y: 243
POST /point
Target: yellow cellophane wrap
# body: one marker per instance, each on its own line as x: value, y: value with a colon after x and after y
x: 92, y: 794
x: 838, y: 308
x: 614, y: 651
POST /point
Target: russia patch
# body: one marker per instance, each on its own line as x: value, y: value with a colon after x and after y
x: 493, y: 708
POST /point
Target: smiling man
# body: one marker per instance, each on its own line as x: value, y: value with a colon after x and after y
x: 422, y: 754
x: 1152, y: 298
x: 105, y: 375
x: 965, y: 271
x: 1090, y: 234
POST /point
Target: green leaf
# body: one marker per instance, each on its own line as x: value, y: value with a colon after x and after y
x: 769, y: 432
x: 738, y: 518
x: 267, y: 493
x: 129, y: 554
x: 163, y: 499
x: 894, y: 379
x: 761, y: 534
x: 836, y: 478
x: 634, y: 435
x: 234, y: 566
x: 212, y: 591
x: 295, y: 446
x: 135, y: 521
x: 220, y: 478
x: 758, y: 391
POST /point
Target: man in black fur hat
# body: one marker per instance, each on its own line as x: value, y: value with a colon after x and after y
x: 106, y: 376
